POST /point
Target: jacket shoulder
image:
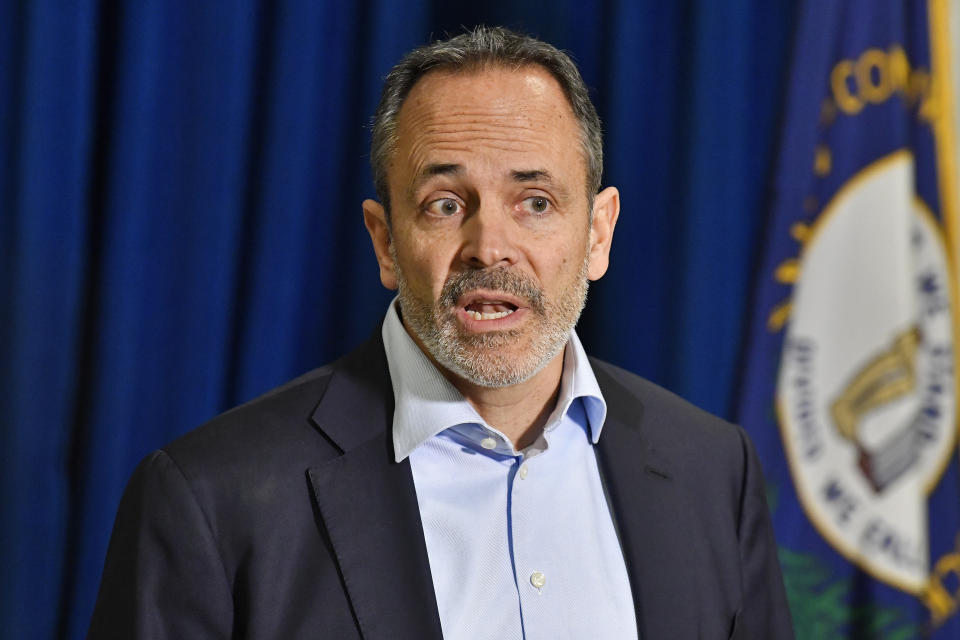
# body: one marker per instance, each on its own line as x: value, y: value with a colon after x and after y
x: 657, y: 402
x: 690, y: 439
x: 276, y: 425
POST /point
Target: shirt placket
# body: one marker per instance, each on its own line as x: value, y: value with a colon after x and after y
x: 532, y: 563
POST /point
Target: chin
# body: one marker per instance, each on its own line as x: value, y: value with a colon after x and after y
x: 504, y: 368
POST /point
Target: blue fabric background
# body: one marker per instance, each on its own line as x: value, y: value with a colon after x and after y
x: 180, y: 228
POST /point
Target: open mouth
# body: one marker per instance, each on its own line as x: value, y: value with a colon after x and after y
x: 482, y: 307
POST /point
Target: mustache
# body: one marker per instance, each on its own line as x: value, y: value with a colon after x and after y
x: 499, y: 279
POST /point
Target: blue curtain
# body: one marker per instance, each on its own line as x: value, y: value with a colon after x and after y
x: 180, y: 228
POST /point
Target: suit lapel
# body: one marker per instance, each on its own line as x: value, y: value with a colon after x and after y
x: 368, y: 504
x: 652, y: 517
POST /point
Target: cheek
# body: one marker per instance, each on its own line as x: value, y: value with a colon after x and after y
x: 564, y: 253
x: 555, y: 265
x: 425, y: 265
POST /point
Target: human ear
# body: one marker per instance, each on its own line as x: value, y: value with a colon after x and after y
x: 606, y: 210
x: 375, y: 219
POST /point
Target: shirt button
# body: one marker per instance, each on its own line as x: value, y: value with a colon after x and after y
x: 537, y: 579
x: 523, y: 472
x: 488, y: 443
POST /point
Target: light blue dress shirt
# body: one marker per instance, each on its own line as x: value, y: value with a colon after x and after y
x: 521, y: 543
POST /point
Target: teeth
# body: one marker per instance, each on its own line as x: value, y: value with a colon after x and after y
x: 476, y: 315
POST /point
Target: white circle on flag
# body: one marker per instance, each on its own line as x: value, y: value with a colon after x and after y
x: 866, y: 394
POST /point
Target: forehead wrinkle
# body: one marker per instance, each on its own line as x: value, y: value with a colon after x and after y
x: 450, y: 151
x: 441, y: 122
x: 506, y: 125
x: 460, y: 136
x: 427, y: 150
x: 482, y: 134
x: 503, y: 112
x: 422, y: 147
x: 475, y: 128
x: 505, y: 121
x: 434, y: 119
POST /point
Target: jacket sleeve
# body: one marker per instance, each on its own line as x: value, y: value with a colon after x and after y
x: 764, y: 613
x: 163, y: 577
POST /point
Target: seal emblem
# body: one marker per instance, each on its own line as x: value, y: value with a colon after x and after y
x: 866, y: 387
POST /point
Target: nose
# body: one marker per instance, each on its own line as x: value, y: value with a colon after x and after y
x: 487, y: 239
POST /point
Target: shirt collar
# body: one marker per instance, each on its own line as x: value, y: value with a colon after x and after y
x: 425, y: 403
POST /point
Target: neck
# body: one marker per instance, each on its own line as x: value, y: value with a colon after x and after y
x: 519, y: 411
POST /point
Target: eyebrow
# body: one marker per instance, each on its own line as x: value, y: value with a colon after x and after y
x: 542, y: 176
x: 436, y: 169
x: 532, y: 175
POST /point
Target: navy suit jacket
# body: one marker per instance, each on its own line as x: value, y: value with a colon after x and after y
x: 287, y: 518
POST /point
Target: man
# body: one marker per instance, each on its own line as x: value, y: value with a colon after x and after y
x: 468, y: 472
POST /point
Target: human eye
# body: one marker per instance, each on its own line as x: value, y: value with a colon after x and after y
x: 536, y: 205
x: 444, y: 207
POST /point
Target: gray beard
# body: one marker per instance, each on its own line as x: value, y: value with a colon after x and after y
x: 483, y: 359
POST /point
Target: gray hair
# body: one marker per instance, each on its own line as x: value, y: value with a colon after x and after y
x: 470, y: 51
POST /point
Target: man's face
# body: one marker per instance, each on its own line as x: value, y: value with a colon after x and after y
x: 491, y: 244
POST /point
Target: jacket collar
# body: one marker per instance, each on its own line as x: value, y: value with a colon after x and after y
x: 368, y: 504
x: 656, y: 526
